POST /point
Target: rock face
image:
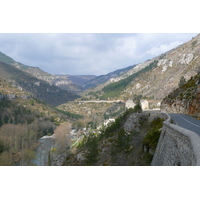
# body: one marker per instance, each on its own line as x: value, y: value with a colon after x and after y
x: 185, y: 100
x: 194, y: 108
x: 132, y: 124
x: 135, y: 121
x: 13, y: 96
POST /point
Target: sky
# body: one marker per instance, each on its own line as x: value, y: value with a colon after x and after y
x: 87, y: 53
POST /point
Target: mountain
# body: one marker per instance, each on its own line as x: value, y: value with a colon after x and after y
x: 81, y: 79
x: 71, y: 83
x: 40, y: 89
x: 103, y: 78
x: 155, y: 78
x: 65, y: 82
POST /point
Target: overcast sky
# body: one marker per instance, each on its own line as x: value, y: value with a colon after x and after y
x: 83, y: 53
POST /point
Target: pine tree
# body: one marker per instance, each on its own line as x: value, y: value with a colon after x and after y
x: 182, y: 81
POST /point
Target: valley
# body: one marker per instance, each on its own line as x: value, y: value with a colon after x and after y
x: 112, y: 119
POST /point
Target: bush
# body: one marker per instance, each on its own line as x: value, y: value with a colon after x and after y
x: 92, y: 150
x: 137, y: 108
x: 152, y: 137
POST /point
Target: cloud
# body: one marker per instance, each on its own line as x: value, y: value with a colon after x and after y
x: 154, y: 51
x: 82, y: 53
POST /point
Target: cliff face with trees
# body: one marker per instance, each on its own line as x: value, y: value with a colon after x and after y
x: 185, y: 99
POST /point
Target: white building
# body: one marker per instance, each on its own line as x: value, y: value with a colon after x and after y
x: 130, y: 104
x: 108, y: 122
x: 144, y: 103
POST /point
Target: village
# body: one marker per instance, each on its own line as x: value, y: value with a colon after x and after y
x: 145, y: 105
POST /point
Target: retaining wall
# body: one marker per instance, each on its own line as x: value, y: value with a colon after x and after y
x: 177, y: 146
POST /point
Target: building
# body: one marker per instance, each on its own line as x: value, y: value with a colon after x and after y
x: 130, y: 104
x: 108, y: 122
x: 144, y: 104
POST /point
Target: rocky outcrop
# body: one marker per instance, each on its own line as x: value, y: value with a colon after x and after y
x: 14, y: 96
x: 194, y: 108
x: 185, y: 100
x: 136, y: 120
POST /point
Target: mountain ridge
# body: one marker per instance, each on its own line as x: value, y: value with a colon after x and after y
x: 51, y: 94
x: 65, y: 82
x: 162, y: 79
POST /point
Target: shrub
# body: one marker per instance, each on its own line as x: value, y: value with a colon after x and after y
x: 152, y: 137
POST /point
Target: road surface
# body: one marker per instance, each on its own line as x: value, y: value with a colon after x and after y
x: 187, y: 122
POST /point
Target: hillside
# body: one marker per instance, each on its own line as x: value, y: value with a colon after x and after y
x: 50, y: 94
x: 155, y: 78
x: 129, y: 141
x: 66, y: 82
x: 24, y: 119
x: 81, y: 79
x: 185, y: 99
x: 104, y: 78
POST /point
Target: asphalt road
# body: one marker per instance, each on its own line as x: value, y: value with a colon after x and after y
x: 187, y: 122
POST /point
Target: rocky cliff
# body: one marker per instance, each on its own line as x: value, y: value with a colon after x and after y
x: 185, y: 99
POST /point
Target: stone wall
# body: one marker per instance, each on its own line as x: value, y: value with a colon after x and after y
x: 177, y: 146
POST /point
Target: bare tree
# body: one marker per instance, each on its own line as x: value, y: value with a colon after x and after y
x: 62, y: 136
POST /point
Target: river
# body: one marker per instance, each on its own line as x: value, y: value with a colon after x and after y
x: 42, y: 152
x: 49, y: 142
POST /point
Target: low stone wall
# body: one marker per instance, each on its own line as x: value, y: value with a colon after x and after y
x: 177, y: 146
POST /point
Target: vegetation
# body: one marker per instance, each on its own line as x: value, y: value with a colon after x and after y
x: 151, y: 139
x: 186, y: 90
x: 50, y: 94
x: 182, y: 81
x: 69, y: 114
x: 114, y: 146
x: 4, y: 58
x: 137, y: 108
x: 114, y: 90
x: 22, y: 123
x: 194, y: 42
x: 114, y: 110
x: 92, y: 150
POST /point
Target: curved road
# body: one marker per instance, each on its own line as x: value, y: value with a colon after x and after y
x: 186, y: 122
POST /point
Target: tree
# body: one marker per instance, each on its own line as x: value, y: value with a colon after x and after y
x: 137, y: 108
x: 62, y: 136
x: 182, y: 81
x: 92, y: 150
